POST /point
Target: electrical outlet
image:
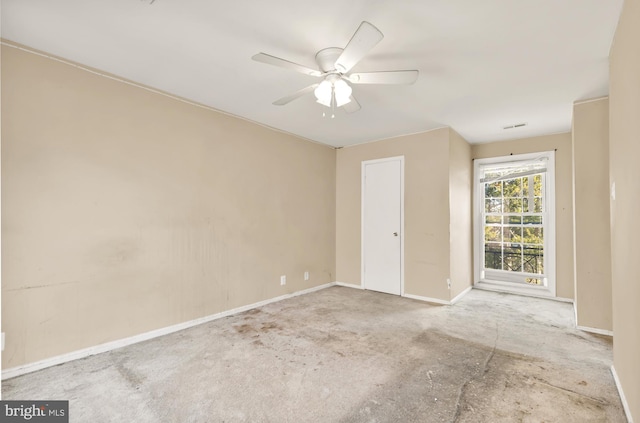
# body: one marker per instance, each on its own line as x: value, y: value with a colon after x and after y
x: 306, y: 276
x: 448, y: 283
x: 2, y: 341
x: 283, y: 280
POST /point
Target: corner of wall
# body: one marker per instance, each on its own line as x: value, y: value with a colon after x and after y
x: 591, y: 234
x: 460, y: 215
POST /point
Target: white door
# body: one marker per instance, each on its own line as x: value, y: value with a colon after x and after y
x: 382, y: 214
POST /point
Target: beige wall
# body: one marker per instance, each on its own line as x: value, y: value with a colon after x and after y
x: 461, y: 224
x: 561, y: 143
x: 624, y: 151
x: 125, y: 211
x: 426, y: 197
x: 592, y: 246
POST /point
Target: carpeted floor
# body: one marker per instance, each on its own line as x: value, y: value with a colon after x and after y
x: 346, y: 355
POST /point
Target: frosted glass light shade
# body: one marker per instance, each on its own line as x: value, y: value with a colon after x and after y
x: 323, y: 93
x: 342, y: 92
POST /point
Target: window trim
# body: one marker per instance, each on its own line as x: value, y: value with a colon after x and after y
x: 548, y: 290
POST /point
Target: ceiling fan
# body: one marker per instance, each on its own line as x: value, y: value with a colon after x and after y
x: 335, y: 63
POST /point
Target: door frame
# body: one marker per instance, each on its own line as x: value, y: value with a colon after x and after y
x: 362, y: 212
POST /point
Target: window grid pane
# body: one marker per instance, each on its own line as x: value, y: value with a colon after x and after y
x: 514, y: 234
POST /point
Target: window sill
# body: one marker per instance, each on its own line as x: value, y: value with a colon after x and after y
x: 515, y: 288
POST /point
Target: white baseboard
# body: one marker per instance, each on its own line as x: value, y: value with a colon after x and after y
x: 587, y: 328
x: 427, y: 299
x: 485, y: 286
x: 563, y: 300
x: 108, y: 346
x: 460, y: 295
x: 415, y: 297
x: 348, y: 285
x: 623, y: 399
x: 595, y: 330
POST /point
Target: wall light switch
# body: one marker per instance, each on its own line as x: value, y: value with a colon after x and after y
x: 613, y: 191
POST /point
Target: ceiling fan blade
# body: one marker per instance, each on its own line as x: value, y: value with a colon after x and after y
x: 365, y: 37
x: 385, y: 77
x: 352, y: 106
x: 297, y: 94
x: 276, y: 61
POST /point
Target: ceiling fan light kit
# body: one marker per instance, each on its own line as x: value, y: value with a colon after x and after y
x: 335, y: 64
x: 333, y: 90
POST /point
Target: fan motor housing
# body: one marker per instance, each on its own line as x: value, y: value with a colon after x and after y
x: 326, y: 58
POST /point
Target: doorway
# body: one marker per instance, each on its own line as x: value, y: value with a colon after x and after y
x: 383, y: 225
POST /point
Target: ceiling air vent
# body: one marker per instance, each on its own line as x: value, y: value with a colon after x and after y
x: 516, y: 125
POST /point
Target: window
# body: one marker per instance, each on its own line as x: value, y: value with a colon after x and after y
x: 514, y: 223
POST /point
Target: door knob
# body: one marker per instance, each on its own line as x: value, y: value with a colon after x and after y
x: 395, y: 234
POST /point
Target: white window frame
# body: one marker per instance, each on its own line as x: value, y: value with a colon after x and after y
x: 548, y: 289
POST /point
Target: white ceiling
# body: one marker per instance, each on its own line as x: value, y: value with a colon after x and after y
x: 483, y: 64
